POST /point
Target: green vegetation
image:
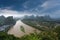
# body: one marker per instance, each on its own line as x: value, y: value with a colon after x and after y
x: 57, y: 30
x: 4, y: 36
x: 22, y: 29
x: 43, y: 35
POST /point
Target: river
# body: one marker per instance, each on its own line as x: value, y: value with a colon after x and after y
x: 15, y: 30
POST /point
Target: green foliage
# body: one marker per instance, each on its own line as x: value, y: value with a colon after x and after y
x: 30, y: 37
x: 22, y: 29
x: 4, y: 36
x: 43, y: 35
x: 57, y: 30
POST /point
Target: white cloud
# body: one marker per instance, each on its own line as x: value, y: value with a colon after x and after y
x: 50, y: 3
x: 7, y: 13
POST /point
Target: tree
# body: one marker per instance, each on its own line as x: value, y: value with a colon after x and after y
x: 22, y: 29
x: 57, y: 30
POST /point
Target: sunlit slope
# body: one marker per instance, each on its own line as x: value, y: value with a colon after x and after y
x: 16, y: 30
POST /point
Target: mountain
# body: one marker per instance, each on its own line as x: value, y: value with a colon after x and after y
x: 45, y: 18
x: 2, y: 20
x: 6, y: 21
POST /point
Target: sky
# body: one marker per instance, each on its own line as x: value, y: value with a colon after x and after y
x: 19, y: 8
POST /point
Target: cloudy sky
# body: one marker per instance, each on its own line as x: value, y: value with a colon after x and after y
x: 18, y: 8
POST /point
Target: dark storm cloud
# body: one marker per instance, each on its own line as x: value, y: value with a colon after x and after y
x: 14, y: 4
x: 33, y: 3
x: 20, y: 5
x: 50, y: 7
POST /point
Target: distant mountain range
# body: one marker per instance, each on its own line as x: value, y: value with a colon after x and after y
x: 42, y: 18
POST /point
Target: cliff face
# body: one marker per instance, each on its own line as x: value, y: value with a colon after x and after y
x: 2, y: 20
x: 5, y: 23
